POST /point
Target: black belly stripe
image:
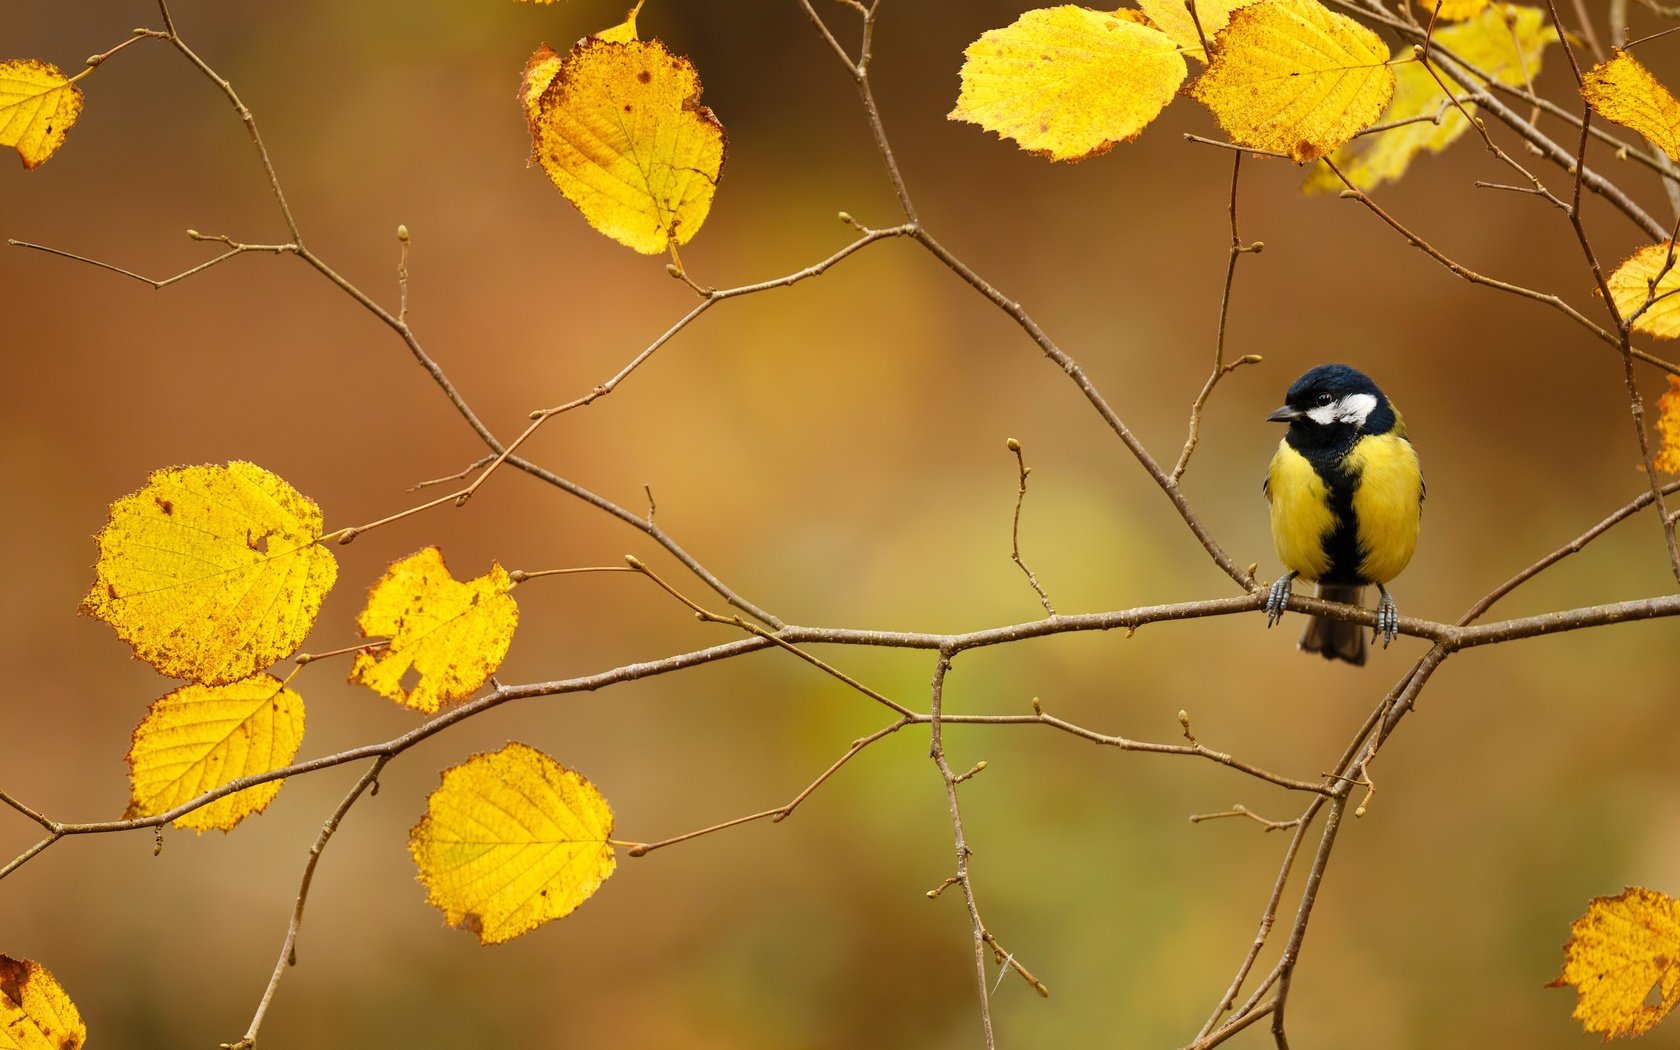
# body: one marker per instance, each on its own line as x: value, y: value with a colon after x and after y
x: 1341, y: 546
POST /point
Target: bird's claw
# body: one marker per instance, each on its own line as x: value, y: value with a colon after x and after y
x: 1277, y: 598
x: 1388, y: 620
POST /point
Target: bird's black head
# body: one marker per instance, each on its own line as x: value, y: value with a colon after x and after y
x: 1332, y: 403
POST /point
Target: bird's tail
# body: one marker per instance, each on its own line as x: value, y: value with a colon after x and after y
x: 1337, y: 639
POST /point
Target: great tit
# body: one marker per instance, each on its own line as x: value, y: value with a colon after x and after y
x: 1346, y: 493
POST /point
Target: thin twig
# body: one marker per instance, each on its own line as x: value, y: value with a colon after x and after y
x: 1076, y: 373
x: 707, y: 616
x: 1449, y: 638
x: 1240, y: 810
x: 936, y: 751
x: 1417, y: 241
x: 782, y: 812
x: 288, y: 947
x: 245, y: 117
x: 238, y: 249
x: 1574, y: 546
x: 1008, y: 959
x: 95, y: 61
x: 1303, y: 913
x: 1636, y: 403
x: 1015, y: 530
x: 1220, y: 368
x: 402, y: 273
x: 1268, y: 917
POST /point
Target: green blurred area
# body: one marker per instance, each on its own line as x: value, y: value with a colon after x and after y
x: 835, y: 451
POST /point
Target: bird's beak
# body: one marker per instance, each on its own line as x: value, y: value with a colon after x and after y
x: 1286, y: 415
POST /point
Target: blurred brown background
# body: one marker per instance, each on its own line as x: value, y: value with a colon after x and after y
x: 836, y: 452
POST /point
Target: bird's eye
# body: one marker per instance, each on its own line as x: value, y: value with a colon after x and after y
x: 1325, y: 398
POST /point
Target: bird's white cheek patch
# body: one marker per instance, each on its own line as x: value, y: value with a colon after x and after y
x: 1354, y: 409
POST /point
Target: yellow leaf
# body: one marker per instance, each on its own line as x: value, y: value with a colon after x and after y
x: 37, y: 106
x: 621, y: 132
x: 1172, y: 17
x: 1623, y: 951
x: 1646, y: 284
x: 1293, y: 77
x: 623, y: 32
x: 544, y: 65
x: 200, y: 737
x: 511, y: 840
x: 1505, y: 42
x: 540, y: 71
x: 35, y: 1014
x: 1624, y: 91
x: 1668, y: 427
x: 1455, y: 10
x: 1067, y: 82
x: 211, y: 572
x: 449, y: 637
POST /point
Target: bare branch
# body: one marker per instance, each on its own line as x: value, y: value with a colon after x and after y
x: 1015, y: 530
x: 936, y: 751
x: 288, y: 947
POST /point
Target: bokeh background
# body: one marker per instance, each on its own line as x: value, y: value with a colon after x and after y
x: 836, y: 452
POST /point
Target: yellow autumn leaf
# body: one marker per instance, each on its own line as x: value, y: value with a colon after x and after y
x: 211, y: 573
x: 1668, y: 428
x: 1381, y: 156
x: 38, y: 104
x: 511, y: 840
x: 1293, y: 77
x: 540, y: 71
x: 1622, y: 953
x: 621, y: 132
x: 200, y: 737
x: 1505, y: 42
x: 1067, y: 82
x: 1623, y: 90
x: 35, y: 1014
x: 446, y: 638
x: 1455, y: 10
x: 624, y: 31
x: 544, y: 64
x: 1645, y: 284
x: 1172, y: 17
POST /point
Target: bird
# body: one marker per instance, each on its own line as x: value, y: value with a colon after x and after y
x: 1346, y: 492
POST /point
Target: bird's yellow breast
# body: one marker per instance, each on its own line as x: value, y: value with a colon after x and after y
x: 1301, y: 514
x: 1388, y: 503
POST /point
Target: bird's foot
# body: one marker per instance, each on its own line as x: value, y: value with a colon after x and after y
x: 1277, y: 598
x: 1388, y: 618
